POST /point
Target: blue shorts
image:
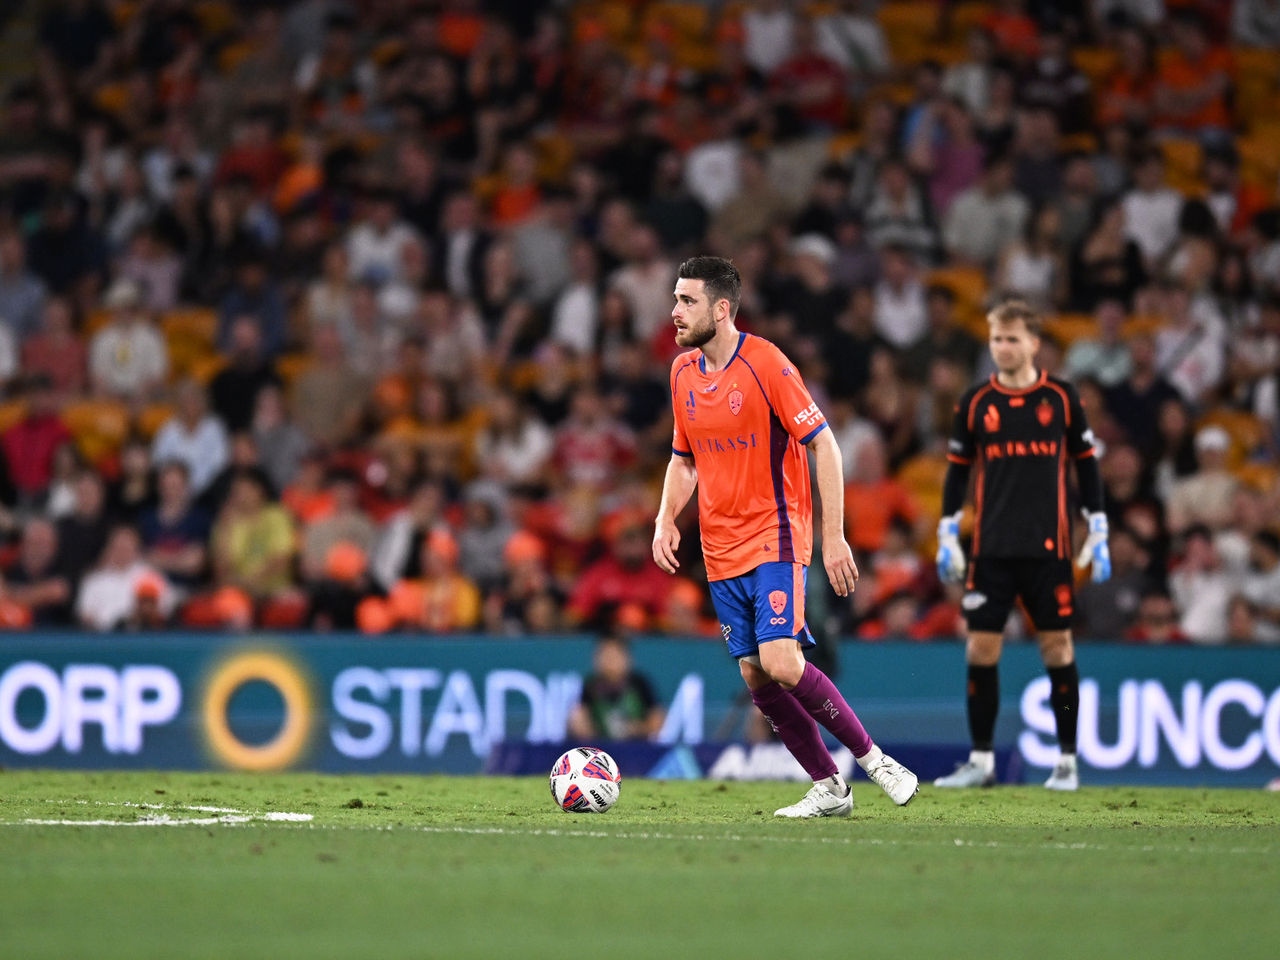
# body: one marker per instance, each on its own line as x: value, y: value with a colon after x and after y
x: 762, y: 605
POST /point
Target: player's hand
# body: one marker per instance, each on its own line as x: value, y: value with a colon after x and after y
x: 950, y: 557
x: 841, y: 570
x: 666, y: 541
x: 1095, y: 550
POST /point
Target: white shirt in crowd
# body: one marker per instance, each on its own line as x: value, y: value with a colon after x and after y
x: 128, y: 359
x: 901, y: 316
x: 204, y: 449
x: 109, y: 597
x: 1151, y: 220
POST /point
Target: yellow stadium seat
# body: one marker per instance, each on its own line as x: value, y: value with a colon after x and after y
x: 1262, y: 477
x: 207, y: 367
x: 910, y: 29
x: 152, y: 417
x: 291, y: 365
x: 191, y: 323
x: 11, y: 413
x: 1096, y: 63
x: 1247, y: 432
x: 215, y: 17
x: 95, y: 320
x: 1260, y: 157
x: 1067, y: 328
x: 688, y: 20
x: 1143, y: 325
x: 99, y: 427
x: 1257, y: 83
x: 1182, y: 159
x: 111, y: 97
x: 966, y: 16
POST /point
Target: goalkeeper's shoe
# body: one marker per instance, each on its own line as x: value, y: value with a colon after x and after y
x: 818, y: 802
x: 1065, y: 774
x: 968, y: 774
x: 893, y: 778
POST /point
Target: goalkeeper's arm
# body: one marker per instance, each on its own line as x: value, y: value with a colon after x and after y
x: 950, y: 557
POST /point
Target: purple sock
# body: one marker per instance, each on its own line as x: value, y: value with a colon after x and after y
x: 818, y: 695
x: 795, y: 729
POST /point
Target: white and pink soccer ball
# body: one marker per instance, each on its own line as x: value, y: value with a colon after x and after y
x: 585, y: 780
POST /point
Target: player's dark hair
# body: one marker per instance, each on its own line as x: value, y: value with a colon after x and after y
x: 719, y: 277
x: 1010, y: 311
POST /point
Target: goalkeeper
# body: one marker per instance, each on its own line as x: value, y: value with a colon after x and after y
x: 1015, y: 433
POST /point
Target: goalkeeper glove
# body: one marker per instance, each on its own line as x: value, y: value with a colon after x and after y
x: 950, y: 556
x: 1095, y: 550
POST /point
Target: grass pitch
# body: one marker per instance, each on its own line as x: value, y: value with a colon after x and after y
x: 485, y: 867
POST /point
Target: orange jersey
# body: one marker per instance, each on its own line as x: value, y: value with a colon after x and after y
x: 745, y: 427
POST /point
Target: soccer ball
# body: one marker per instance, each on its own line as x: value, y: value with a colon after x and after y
x: 585, y: 780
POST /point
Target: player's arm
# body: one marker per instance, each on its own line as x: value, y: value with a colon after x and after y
x: 960, y: 454
x: 677, y: 488
x: 836, y: 555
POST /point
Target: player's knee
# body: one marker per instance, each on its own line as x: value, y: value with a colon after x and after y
x: 783, y: 664
x: 983, y: 649
x: 1056, y: 648
x: 753, y: 674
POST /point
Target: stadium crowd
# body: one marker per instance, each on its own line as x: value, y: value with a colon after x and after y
x: 355, y: 313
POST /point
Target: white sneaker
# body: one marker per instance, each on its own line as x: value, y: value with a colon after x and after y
x: 1065, y: 775
x: 893, y: 778
x: 968, y: 774
x: 818, y: 802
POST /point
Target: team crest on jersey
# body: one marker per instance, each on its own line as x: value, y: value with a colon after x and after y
x: 991, y: 420
x: 735, y: 402
x: 778, y: 600
x: 1044, y: 413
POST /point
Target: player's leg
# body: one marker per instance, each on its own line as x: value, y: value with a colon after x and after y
x: 797, y: 730
x: 1050, y: 600
x: 779, y: 608
x: 986, y: 604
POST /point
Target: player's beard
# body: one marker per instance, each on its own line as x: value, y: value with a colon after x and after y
x: 696, y: 334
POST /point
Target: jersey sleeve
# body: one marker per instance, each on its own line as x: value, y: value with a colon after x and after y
x: 1079, y: 436
x: 789, y: 397
x: 679, y: 440
x: 960, y: 447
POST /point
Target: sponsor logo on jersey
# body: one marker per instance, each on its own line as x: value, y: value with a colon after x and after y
x: 735, y: 402
x: 1017, y: 448
x: 778, y: 600
x: 743, y: 441
x: 991, y: 420
x: 972, y: 601
x: 1044, y: 412
x: 810, y: 416
x: 689, y: 406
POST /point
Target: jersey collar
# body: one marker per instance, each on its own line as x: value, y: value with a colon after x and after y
x: 1039, y: 382
x: 702, y: 358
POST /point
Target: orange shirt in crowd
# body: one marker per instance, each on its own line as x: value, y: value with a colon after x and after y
x: 869, y: 508
x: 745, y: 427
x: 1181, y: 75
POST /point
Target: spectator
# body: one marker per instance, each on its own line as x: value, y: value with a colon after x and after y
x: 1201, y: 588
x: 282, y: 443
x: 31, y: 445
x: 54, y: 350
x: 36, y: 581
x: 345, y: 522
x: 1242, y: 621
x: 484, y: 535
x: 109, y: 595
x: 1151, y: 210
x: 1106, y: 357
x: 22, y: 293
x: 1107, y: 264
x: 399, y: 548
x: 253, y: 542
x: 1136, y: 402
x: 901, y: 314
x: 1190, y: 346
x: 618, y: 702
x: 234, y: 391
x: 1106, y: 611
x: 175, y: 532
x: 873, y: 501
x: 440, y: 599
x: 592, y: 447
x: 127, y: 357
x: 1205, y: 497
x: 1262, y: 584
x: 1193, y: 84
x: 897, y: 213
x: 254, y: 298
x: 194, y: 437
x: 1256, y: 23
x: 1157, y: 622
x: 624, y: 576
x: 987, y: 217
x: 328, y: 397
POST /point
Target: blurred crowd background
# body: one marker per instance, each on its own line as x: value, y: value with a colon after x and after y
x: 355, y: 313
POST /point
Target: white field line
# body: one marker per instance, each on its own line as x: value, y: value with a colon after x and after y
x: 226, y: 816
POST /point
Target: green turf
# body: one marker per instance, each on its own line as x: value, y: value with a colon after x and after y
x: 440, y: 867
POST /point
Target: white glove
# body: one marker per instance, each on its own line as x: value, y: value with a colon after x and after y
x: 950, y: 556
x: 1095, y: 550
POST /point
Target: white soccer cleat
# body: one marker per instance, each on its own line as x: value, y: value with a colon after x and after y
x: 1065, y: 775
x: 968, y: 774
x: 818, y: 802
x: 893, y: 778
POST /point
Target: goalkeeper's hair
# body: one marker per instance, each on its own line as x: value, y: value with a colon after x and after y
x: 720, y: 278
x: 1013, y: 310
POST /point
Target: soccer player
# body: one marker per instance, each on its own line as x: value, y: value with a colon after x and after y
x: 743, y: 418
x: 1016, y: 432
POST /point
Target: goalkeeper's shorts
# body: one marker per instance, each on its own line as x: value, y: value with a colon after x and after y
x: 765, y: 604
x: 1043, y: 587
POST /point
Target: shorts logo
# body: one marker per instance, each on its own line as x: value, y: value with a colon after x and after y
x: 991, y: 421
x: 1044, y: 413
x: 778, y: 600
x: 972, y: 601
x: 725, y: 630
x: 735, y: 402
x: 777, y: 621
